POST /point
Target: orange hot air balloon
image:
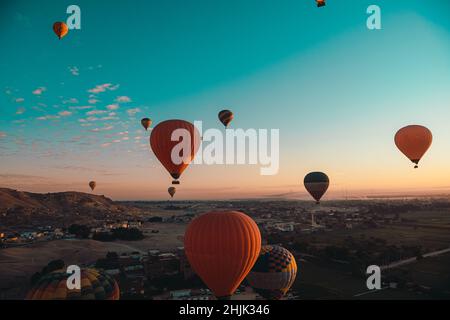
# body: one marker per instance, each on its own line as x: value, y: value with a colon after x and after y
x: 183, y: 149
x: 226, y: 116
x: 222, y: 248
x: 171, y: 191
x: 320, y: 3
x: 60, y: 29
x: 146, y: 123
x: 413, y: 141
x: 92, y: 185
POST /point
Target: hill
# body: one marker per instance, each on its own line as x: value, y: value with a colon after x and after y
x: 18, y: 208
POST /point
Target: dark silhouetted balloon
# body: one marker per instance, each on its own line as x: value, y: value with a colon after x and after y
x: 316, y: 183
x: 92, y: 185
x: 413, y: 141
x: 60, y: 29
x: 171, y: 191
x: 162, y: 144
x: 226, y: 116
x: 146, y: 123
x: 222, y: 248
x: 273, y: 273
x: 320, y: 3
x: 95, y: 285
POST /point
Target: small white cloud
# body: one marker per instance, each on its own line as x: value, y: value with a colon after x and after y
x: 112, y: 107
x: 71, y: 100
x: 90, y: 113
x: 108, y: 118
x: 102, y: 129
x: 116, y: 141
x: 48, y: 117
x: 18, y: 100
x: 2, y: 134
x: 103, y: 87
x: 74, y: 70
x: 81, y: 107
x: 132, y: 112
x: 65, y: 113
x: 123, y: 99
x: 20, y: 111
x: 39, y: 90
x: 93, y: 101
x: 105, y: 145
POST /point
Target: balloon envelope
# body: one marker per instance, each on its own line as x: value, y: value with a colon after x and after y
x: 92, y: 185
x: 60, y: 29
x: 146, y: 123
x: 95, y: 285
x: 184, y: 148
x: 222, y: 247
x: 225, y: 116
x: 172, y: 191
x: 316, y: 183
x: 273, y: 273
x: 413, y: 141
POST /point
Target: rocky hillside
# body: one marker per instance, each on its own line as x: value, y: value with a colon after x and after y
x: 19, y: 208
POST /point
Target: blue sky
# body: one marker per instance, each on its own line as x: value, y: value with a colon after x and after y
x: 70, y: 108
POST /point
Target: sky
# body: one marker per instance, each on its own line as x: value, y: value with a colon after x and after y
x: 70, y: 109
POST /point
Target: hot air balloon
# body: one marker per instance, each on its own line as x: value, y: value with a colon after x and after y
x: 60, y: 29
x: 316, y: 183
x: 320, y: 3
x: 184, y: 149
x: 146, y: 123
x: 222, y: 248
x: 273, y: 273
x: 171, y: 191
x: 95, y: 285
x: 225, y: 116
x: 413, y: 141
x: 92, y: 185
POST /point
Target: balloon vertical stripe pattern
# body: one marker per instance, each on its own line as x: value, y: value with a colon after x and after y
x: 162, y: 145
x: 222, y: 247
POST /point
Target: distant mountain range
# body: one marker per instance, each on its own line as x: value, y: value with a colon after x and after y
x: 18, y: 208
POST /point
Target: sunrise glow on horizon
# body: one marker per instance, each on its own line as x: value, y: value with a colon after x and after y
x: 70, y: 109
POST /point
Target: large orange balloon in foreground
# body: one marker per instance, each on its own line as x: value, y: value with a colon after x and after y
x: 413, y: 141
x: 184, y: 148
x: 60, y: 29
x: 222, y: 248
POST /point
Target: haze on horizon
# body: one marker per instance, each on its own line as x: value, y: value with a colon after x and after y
x: 70, y: 110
